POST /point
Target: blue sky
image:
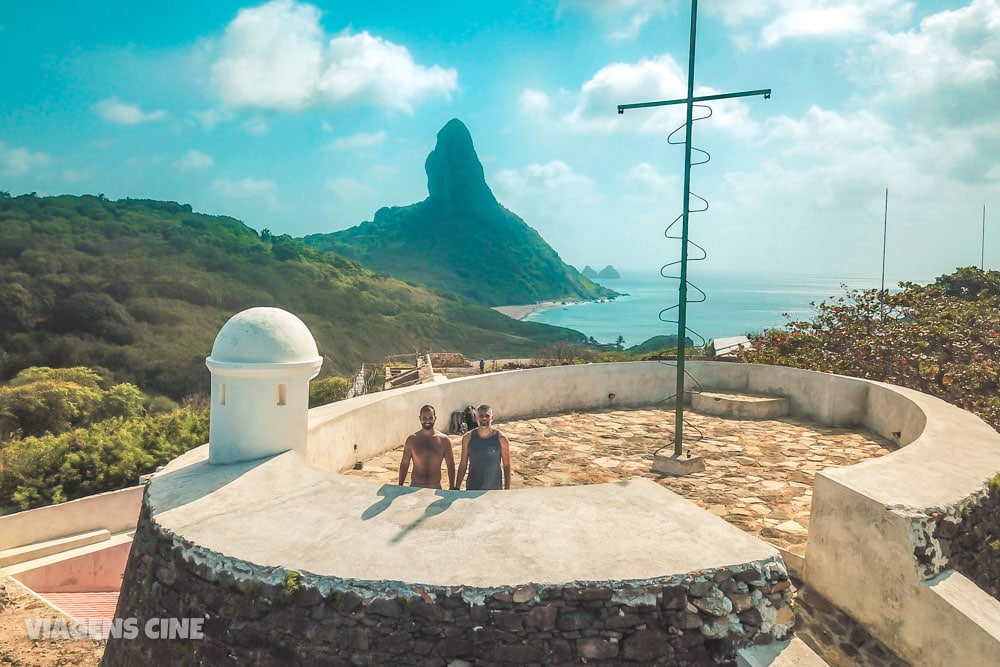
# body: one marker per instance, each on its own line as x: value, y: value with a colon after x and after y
x: 308, y: 117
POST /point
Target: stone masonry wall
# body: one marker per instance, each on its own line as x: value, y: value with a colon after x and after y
x: 262, y: 615
x: 965, y: 538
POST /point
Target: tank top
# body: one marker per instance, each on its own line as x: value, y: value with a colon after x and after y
x: 484, y: 462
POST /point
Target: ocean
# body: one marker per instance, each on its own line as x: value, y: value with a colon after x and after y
x: 735, y: 304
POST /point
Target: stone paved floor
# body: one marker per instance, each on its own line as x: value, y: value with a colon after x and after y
x: 758, y: 477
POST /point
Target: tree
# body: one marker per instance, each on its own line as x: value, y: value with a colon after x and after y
x: 942, y: 339
x: 41, y: 400
x: 328, y: 390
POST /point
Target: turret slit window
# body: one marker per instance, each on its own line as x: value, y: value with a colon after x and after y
x: 281, y: 394
x: 222, y: 393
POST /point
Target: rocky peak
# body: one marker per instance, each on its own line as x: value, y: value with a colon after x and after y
x: 454, y: 173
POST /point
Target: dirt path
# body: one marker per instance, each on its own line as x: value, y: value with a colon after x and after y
x: 18, y: 606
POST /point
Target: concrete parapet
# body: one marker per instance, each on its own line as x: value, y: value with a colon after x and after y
x: 866, y: 530
x: 114, y: 511
x: 862, y: 534
x: 452, y: 592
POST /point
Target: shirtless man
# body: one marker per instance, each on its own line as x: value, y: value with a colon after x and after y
x: 425, y: 449
x: 486, y: 455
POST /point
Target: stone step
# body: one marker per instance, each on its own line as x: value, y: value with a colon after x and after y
x: 791, y: 653
x: 29, y: 552
x: 739, y: 406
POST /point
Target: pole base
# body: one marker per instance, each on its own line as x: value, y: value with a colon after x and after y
x: 677, y: 466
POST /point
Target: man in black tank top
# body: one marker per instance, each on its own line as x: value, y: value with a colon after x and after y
x: 485, y: 454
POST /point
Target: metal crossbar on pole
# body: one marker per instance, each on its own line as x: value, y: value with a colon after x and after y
x: 690, y: 101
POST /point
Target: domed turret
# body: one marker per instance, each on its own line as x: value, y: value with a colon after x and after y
x: 261, y: 364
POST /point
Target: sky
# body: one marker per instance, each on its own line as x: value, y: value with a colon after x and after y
x: 307, y: 117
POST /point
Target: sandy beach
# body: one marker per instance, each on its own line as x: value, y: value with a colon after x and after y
x: 520, y: 312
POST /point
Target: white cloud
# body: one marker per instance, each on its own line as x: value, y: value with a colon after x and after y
x: 256, y: 126
x: 775, y: 21
x: 212, y: 117
x: 358, y: 141
x: 74, y: 176
x: 647, y: 179
x: 533, y: 103
x: 653, y: 79
x: 625, y: 18
x: 348, y: 188
x: 827, y: 134
x: 274, y: 57
x: 20, y: 161
x: 948, y: 70
x: 194, y: 160
x: 548, y: 177
x: 818, y: 195
x: 115, y: 111
x: 553, y: 191
x: 814, y: 22
x: 249, y: 188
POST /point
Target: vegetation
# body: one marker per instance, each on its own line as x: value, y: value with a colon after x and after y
x: 69, y: 433
x: 140, y: 288
x: 328, y: 390
x: 460, y: 240
x: 942, y: 339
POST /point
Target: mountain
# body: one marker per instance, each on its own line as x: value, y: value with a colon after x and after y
x: 609, y: 273
x: 658, y: 344
x: 460, y: 239
x: 141, y: 288
x: 588, y: 272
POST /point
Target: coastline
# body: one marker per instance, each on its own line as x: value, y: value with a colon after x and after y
x: 520, y: 312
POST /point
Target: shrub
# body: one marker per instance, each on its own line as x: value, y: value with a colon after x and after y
x: 942, y: 339
x: 328, y: 390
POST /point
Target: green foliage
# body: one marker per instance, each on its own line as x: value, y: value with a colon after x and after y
x: 110, y: 454
x: 942, y: 339
x: 328, y: 390
x: 142, y: 287
x: 290, y: 585
x: 42, y: 400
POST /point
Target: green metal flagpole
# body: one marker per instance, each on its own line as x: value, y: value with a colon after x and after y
x: 689, y: 101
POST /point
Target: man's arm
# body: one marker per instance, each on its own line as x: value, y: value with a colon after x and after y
x: 505, y: 459
x: 463, y: 460
x: 404, y: 465
x: 449, y: 461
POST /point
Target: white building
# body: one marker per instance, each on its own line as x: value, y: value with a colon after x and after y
x: 261, y: 365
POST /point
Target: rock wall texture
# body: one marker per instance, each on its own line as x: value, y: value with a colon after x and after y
x: 972, y: 545
x: 264, y: 615
x: 965, y: 538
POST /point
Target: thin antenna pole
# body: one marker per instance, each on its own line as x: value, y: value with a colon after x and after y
x: 885, y: 234
x: 682, y: 290
x: 982, y: 251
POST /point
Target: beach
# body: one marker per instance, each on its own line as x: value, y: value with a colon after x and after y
x: 520, y: 312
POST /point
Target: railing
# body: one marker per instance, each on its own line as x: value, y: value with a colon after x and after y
x: 364, y: 382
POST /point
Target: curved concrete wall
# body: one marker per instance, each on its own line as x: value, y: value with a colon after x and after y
x: 115, y: 511
x: 866, y: 519
x: 379, y: 422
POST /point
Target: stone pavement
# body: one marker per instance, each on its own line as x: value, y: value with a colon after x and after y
x: 758, y: 476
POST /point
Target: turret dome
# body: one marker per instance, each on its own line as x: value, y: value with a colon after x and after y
x: 264, y: 336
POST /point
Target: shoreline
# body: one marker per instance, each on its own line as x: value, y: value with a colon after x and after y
x: 520, y: 312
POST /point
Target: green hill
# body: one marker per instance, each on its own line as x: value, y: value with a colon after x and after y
x: 142, y: 287
x: 460, y: 239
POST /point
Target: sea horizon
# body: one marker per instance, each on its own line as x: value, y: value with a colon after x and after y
x: 736, y: 303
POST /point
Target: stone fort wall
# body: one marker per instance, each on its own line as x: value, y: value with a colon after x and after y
x: 262, y: 615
